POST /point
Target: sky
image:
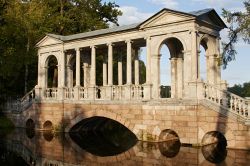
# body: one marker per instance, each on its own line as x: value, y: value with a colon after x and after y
x: 135, y: 11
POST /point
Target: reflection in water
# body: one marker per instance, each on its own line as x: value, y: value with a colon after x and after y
x: 50, y: 149
x: 30, y: 133
x: 48, y: 135
x: 215, y: 153
x: 170, y: 148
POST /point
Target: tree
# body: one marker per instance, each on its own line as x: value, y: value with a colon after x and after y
x: 239, y: 23
x: 241, y: 90
x: 25, y: 22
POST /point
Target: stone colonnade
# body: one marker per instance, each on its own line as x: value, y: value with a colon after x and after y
x: 185, y: 76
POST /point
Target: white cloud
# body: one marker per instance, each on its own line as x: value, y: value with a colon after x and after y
x: 172, y: 4
x: 132, y: 15
x: 231, y: 5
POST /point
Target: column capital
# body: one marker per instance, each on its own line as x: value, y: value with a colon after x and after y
x: 147, y: 38
x: 128, y: 41
x: 110, y: 44
x: 78, y: 49
x: 93, y: 46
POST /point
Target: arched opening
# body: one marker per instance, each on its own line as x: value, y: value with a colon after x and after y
x: 214, y: 149
x: 203, y: 63
x: 102, y: 136
x: 30, y: 128
x: 170, y: 143
x: 171, y: 68
x: 168, y: 135
x: 71, y: 72
x: 48, y: 125
x: 30, y: 124
x: 52, y: 72
x: 48, y: 135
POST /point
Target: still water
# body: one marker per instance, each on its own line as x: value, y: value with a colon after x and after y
x: 26, y: 147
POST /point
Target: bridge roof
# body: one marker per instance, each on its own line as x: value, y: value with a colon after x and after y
x: 199, y: 15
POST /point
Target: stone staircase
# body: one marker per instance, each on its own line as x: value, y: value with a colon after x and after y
x: 227, y: 103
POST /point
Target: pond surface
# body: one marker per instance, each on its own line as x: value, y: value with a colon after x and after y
x: 25, y: 147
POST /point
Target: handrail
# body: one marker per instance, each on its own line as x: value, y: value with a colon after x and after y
x: 232, y: 102
x: 31, y: 92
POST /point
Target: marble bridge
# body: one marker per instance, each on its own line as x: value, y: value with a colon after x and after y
x: 100, y: 74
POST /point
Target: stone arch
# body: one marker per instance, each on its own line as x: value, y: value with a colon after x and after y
x: 101, y: 113
x: 167, y: 135
x: 213, y: 137
x: 214, y: 147
x: 176, y: 49
x: 48, y: 135
x: 48, y: 125
x: 51, y: 65
x: 208, y: 44
x: 228, y: 134
x: 30, y: 124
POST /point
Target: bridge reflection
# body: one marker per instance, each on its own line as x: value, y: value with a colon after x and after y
x: 59, y: 149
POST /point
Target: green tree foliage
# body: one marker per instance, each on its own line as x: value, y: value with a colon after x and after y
x: 239, y: 23
x: 25, y: 22
x: 241, y: 90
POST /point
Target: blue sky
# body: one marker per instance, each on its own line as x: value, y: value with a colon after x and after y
x: 135, y: 11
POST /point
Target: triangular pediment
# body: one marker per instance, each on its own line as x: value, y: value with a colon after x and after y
x: 48, y: 40
x: 165, y: 17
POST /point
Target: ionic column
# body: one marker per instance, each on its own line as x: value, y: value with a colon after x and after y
x: 173, y: 77
x: 218, y: 67
x: 104, y: 71
x: 194, y: 57
x: 62, y: 70
x: 136, y: 68
x: 110, y: 64
x: 85, y: 74
x: 69, y: 77
x: 78, y: 54
x: 45, y: 76
x: 93, y: 66
x: 209, y: 69
x: 148, y: 59
x: 180, y: 77
x: 129, y: 63
x: 120, y: 70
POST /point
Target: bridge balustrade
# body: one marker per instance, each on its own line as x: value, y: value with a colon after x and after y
x: 51, y: 93
x: 233, y: 103
x: 137, y: 92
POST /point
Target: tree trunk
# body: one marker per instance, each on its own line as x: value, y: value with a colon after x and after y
x: 61, y: 13
x: 26, y: 74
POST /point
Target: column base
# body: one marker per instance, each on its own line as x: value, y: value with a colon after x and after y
x: 147, y: 91
x: 196, y: 90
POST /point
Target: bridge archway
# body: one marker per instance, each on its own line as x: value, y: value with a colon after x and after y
x: 175, y: 66
x: 105, y: 134
x: 48, y: 125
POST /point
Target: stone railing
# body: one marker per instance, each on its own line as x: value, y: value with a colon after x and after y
x: 69, y: 93
x: 137, y: 92
x: 27, y: 100
x: 131, y: 92
x: 233, y: 103
x: 51, y: 93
